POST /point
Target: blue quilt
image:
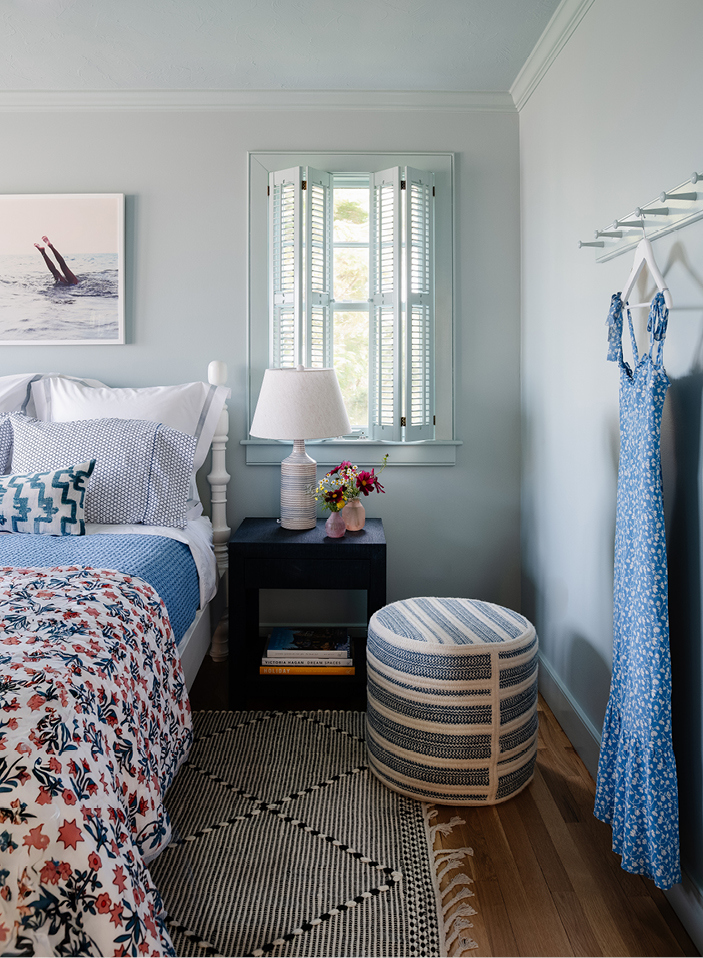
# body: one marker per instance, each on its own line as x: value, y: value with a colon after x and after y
x: 167, y: 565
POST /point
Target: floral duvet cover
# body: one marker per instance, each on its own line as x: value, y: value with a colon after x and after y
x: 94, y: 723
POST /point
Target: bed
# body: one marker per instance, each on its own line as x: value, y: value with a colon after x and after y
x: 111, y: 584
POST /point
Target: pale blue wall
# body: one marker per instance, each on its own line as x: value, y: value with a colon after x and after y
x: 451, y: 530
x: 615, y: 121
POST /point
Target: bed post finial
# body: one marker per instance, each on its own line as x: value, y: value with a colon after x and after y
x: 218, y: 479
x: 217, y: 373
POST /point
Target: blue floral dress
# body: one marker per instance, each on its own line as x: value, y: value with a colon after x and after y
x: 636, y: 791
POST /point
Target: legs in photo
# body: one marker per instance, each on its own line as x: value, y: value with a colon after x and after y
x: 54, y: 272
x: 68, y: 278
x: 71, y: 278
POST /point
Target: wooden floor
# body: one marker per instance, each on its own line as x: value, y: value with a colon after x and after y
x: 545, y: 879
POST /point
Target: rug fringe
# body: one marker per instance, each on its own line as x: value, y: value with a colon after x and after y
x: 449, y: 899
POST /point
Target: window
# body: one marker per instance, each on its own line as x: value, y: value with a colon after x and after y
x: 351, y: 266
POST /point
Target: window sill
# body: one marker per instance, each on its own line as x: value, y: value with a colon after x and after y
x: 367, y: 452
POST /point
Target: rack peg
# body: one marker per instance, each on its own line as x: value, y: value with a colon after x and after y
x: 695, y: 177
x: 614, y: 234
x: 629, y: 224
x: 662, y: 211
x: 590, y: 244
x: 663, y: 197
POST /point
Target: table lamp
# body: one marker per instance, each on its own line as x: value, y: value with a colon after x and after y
x: 299, y: 404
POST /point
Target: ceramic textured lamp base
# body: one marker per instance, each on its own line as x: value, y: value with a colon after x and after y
x: 298, y: 477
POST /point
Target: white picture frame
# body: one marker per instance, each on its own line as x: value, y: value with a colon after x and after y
x: 62, y: 269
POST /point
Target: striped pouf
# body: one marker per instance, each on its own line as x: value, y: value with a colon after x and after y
x: 452, y: 700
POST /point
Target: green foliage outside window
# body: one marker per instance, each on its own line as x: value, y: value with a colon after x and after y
x: 351, y: 285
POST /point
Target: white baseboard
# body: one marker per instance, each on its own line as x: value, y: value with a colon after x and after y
x: 685, y: 898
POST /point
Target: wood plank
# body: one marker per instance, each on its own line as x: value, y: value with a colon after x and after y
x: 577, y: 796
x: 524, y: 918
x: 573, y: 918
x: 673, y: 922
x: 604, y: 924
x: 661, y: 940
x: 553, y: 938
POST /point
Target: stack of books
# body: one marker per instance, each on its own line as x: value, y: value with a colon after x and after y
x: 311, y: 651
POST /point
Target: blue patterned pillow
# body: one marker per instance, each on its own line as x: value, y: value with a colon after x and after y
x: 50, y: 502
x: 142, y: 469
x: 5, y: 443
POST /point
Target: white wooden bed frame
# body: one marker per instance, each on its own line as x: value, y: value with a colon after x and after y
x: 210, y: 628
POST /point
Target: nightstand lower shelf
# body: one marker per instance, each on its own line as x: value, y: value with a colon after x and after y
x: 262, y: 555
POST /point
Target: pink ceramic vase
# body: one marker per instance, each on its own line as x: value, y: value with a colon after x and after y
x: 354, y: 515
x: 334, y: 527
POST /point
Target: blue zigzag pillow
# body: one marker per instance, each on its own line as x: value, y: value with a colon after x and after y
x: 49, y: 502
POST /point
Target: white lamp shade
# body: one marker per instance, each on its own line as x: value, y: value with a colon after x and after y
x: 300, y: 404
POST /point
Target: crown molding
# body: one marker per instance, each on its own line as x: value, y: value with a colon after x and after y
x: 450, y: 101
x: 566, y: 18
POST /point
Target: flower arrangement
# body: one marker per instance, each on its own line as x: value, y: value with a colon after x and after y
x: 347, y: 482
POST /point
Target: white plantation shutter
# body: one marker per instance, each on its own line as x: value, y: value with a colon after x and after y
x: 418, y: 298
x: 401, y: 289
x: 385, y: 301
x: 318, y: 268
x: 285, y: 273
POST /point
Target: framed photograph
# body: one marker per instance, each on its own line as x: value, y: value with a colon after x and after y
x: 62, y: 269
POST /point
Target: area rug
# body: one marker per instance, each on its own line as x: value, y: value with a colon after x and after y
x: 284, y: 843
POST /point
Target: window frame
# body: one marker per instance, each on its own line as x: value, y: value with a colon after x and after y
x: 438, y: 451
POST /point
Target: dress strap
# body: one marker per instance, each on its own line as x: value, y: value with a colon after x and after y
x: 656, y: 327
x: 614, y: 324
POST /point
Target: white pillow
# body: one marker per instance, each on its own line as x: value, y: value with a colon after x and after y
x: 16, y: 392
x: 192, y: 408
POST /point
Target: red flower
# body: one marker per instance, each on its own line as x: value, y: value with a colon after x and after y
x: 368, y: 482
x: 343, y: 465
x: 50, y: 874
x: 94, y: 861
x: 104, y: 903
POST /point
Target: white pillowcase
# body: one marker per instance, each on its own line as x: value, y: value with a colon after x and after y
x: 16, y: 394
x: 192, y: 408
x: 14, y: 391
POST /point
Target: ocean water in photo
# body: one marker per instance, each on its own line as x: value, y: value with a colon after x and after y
x: 33, y: 307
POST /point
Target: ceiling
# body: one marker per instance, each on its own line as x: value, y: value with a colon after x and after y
x: 415, y: 45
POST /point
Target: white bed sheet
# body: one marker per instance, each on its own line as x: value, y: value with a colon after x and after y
x: 197, y: 535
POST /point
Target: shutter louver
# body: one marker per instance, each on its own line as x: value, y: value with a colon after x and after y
x: 418, y: 297
x: 318, y: 269
x: 285, y: 281
x: 384, y: 277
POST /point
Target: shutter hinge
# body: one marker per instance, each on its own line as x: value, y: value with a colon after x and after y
x: 268, y: 190
x: 402, y: 184
x: 305, y: 184
x: 434, y: 420
x: 433, y: 190
x: 402, y: 420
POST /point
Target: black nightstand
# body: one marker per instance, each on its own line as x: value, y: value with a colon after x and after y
x: 262, y: 555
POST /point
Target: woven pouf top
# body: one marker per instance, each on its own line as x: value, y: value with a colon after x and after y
x: 452, y: 700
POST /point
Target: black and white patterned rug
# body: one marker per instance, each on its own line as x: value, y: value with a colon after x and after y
x: 284, y: 843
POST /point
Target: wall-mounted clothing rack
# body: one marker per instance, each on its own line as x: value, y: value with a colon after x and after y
x: 671, y: 210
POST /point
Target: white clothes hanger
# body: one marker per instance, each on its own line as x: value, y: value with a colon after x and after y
x: 645, y: 254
